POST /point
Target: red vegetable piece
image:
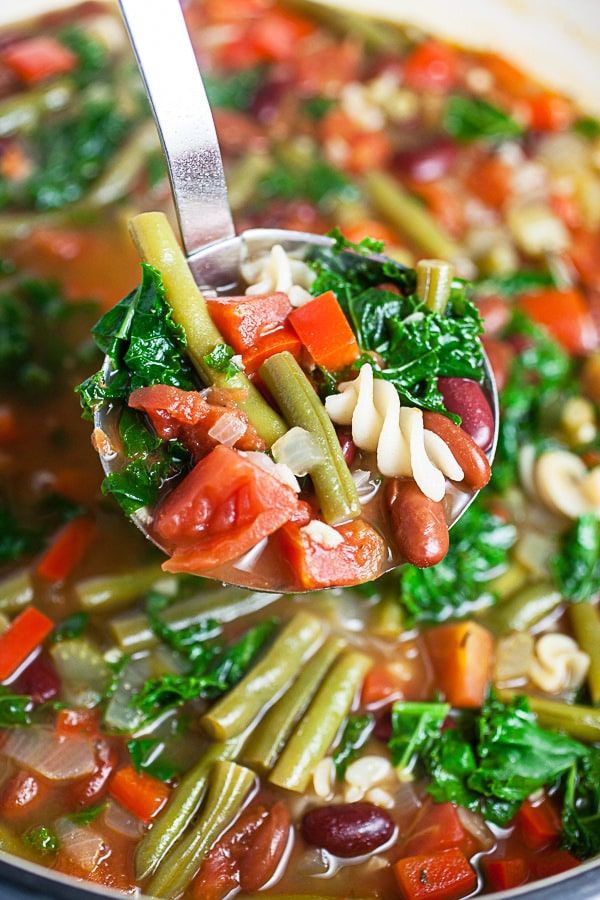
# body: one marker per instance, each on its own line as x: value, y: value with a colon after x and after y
x: 438, y: 876
x: 552, y: 862
x: 461, y: 653
x: 502, y: 874
x: 223, y: 508
x: 243, y: 320
x: 538, y: 823
x: 438, y: 828
x: 22, y: 637
x: 139, y: 792
x: 325, y: 332
x: 347, y: 829
x: 565, y: 314
x: 37, y: 58
x: 432, y: 66
x: 357, y: 558
x: 24, y: 794
x: 67, y: 549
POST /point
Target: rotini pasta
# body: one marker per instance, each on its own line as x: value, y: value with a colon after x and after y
x: 558, y: 663
x: 278, y: 271
x: 404, y: 448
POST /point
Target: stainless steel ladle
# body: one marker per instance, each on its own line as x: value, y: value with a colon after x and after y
x: 214, y: 251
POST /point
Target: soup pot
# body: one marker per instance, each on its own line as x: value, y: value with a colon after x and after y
x: 559, y: 44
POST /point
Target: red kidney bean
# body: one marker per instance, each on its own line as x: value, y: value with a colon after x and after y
x: 39, y: 680
x: 427, y: 163
x: 268, y: 98
x: 465, y: 398
x: 469, y: 455
x: 88, y: 791
x: 347, y: 444
x: 347, y: 829
x: 265, y: 852
x: 418, y: 523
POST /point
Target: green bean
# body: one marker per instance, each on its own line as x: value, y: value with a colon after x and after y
x: 23, y: 111
x: 387, y: 616
x: 408, y: 216
x: 300, y: 405
x: 318, y: 727
x: 283, y: 661
x: 183, y: 804
x: 16, y: 591
x: 133, y: 632
x: 522, y: 610
x: 434, y: 283
x: 229, y: 785
x: 578, y: 721
x: 585, y: 623
x: 105, y: 592
x: 157, y: 244
x: 269, y: 737
x: 378, y: 36
x: 118, y: 179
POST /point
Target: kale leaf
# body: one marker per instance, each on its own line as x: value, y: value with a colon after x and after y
x: 14, y: 708
x: 457, y: 585
x: 581, y: 806
x: 355, y: 735
x: 510, y: 284
x: 576, y: 568
x: 472, y: 118
x: 233, y: 91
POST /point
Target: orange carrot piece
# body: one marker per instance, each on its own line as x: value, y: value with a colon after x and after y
x: 447, y: 875
x: 461, y: 654
x: 66, y: 550
x: 139, y: 792
x: 21, y: 638
x: 325, y: 332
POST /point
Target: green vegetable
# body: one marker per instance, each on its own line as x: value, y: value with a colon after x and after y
x: 489, y: 761
x: 510, y: 284
x: 414, y: 726
x: 576, y: 568
x: 146, y: 756
x: 14, y: 708
x: 220, y: 359
x: 42, y: 840
x: 585, y: 622
x: 456, y: 587
x: 581, y: 807
x: 71, y: 627
x: 355, y: 735
x: 312, y: 179
x: 472, y: 118
x: 86, y: 816
x: 16, y: 540
x: 236, y: 90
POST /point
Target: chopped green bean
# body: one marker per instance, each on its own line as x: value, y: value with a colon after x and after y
x: 378, y: 36
x: 23, y: 111
x: 133, y: 631
x: 408, y: 216
x: 434, y: 283
x: 119, y: 178
x: 157, y: 245
x: 585, y: 622
x: 283, y: 661
x: 300, y: 405
x: 318, y: 727
x: 580, y: 722
x: 522, y: 610
x: 182, y: 807
x: 228, y: 787
x: 269, y: 737
x: 106, y: 592
x: 16, y: 591
x: 387, y: 616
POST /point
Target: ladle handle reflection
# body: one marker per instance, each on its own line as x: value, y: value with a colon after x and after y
x: 167, y: 62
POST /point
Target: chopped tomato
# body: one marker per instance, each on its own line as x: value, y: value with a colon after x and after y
x: 67, y: 549
x: 445, y: 202
x: 547, y: 111
x: 37, y: 58
x: 538, y: 823
x: 506, y: 74
x: 350, y: 146
x: 461, y: 655
x: 438, y: 828
x: 189, y: 417
x: 325, y: 332
x: 358, y: 557
x: 447, y: 875
x: 256, y: 327
x: 275, y: 34
x: 502, y: 874
x: 381, y: 685
x: 222, y: 509
x: 322, y: 69
x: 139, y: 792
x: 24, y: 635
x: 432, y: 66
x: 565, y: 313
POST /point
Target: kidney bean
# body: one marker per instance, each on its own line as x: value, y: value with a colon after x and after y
x: 469, y: 455
x: 87, y: 792
x: 465, y: 398
x: 39, y: 680
x: 268, y: 98
x: 347, y: 444
x: 265, y: 851
x: 429, y: 162
x: 347, y: 829
x: 418, y: 523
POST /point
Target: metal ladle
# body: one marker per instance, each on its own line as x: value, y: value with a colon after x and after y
x: 214, y: 251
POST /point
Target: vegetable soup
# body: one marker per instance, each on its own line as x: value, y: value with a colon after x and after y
x: 434, y: 732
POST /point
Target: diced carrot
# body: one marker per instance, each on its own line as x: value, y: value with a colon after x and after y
x: 352, y: 147
x: 139, y: 792
x: 15, y: 165
x: 322, y: 68
x: 357, y: 558
x: 67, y: 549
x: 584, y: 254
x: 21, y: 638
x: 502, y: 874
x: 544, y: 865
x: 547, y: 111
x: 538, y: 823
x: 324, y: 330
x: 565, y: 313
x: 461, y: 655
x: 276, y: 341
x: 507, y: 75
x: 432, y: 66
x: 447, y: 875
x: 371, y: 228
x: 37, y: 58
x: 275, y: 34
x: 490, y: 181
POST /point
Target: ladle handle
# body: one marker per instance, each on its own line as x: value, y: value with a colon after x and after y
x: 168, y: 65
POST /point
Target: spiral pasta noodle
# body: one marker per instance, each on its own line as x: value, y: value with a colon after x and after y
x: 404, y: 448
x: 278, y: 271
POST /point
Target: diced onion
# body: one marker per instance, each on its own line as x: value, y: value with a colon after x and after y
x: 82, y: 845
x: 278, y: 470
x: 83, y: 671
x: 56, y: 758
x: 119, y: 819
x: 227, y: 429
x: 298, y: 449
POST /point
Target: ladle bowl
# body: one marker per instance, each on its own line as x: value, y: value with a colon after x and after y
x: 214, y: 252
